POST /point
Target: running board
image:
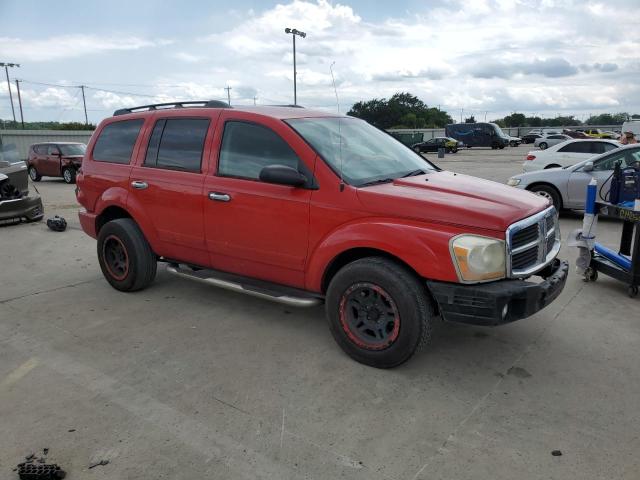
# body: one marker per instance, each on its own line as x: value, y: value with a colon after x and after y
x: 256, y: 288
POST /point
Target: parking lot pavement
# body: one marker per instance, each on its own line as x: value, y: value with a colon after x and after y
x: 185, y: 381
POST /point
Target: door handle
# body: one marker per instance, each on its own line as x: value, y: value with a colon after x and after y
x: 137, y: 184
x: 219, y: 197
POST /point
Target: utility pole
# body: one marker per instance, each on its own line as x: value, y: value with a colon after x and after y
x: 461, y: 110
x: 254, y: 100
x: 485, y: 116
x: 293, y: 33
x: 84, y: 102
x: 228, y: 89
x: 6, y: 71
x: 20, y: 103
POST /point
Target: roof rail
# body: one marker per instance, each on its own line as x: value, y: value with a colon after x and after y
x: 286, y: 106
x: 170, y: 105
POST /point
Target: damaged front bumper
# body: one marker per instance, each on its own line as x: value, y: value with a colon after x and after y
x: 499, y: 302
x: 28, y: 208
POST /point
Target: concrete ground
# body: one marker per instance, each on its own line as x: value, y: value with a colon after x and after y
x: 185, y: 381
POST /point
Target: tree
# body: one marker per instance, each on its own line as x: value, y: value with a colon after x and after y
x: 402, y: 110
x: 471, y: 119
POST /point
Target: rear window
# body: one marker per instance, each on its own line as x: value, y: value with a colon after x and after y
x: 116, y: 141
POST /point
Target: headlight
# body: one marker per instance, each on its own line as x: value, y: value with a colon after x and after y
x: 478, y: 258
x: 512, y: 182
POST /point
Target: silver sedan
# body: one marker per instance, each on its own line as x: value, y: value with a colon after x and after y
x: 566, y: 187
x: 549, y: 140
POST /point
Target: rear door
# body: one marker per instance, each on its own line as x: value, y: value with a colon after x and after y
x: 167, y: 181
x: 574, y: 152
x: 255, y: 228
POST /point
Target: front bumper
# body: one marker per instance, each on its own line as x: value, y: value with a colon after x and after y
x: 27, y: 208
x: 484, y: 303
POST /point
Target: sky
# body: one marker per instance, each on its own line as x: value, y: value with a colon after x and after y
x: 485, y: 58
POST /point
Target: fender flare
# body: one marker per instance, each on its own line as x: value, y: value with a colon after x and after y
x: 119, y: 197
x: 423, y: 247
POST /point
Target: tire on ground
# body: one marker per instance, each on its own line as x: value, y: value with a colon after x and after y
x: 549, y: 192
x: 414, y: 306
x: 141, y: 261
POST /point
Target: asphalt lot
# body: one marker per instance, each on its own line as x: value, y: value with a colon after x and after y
x: 185, y: 381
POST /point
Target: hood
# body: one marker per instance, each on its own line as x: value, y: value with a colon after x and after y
x: 452, y: 198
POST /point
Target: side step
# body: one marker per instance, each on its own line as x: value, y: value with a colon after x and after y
x: 249, y: 286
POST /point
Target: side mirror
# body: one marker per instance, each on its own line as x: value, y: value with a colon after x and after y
x: 282, y: 175
x: 588, y: 167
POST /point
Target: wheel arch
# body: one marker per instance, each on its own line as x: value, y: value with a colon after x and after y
x: 353, y: 254
x: 530, y: 187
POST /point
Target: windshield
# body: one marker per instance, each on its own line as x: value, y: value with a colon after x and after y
x: 365, y: 154
x: 73, y: 149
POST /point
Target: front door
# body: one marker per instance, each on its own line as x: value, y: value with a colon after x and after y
x: 167, y: 185
x: 50, y: 164
x: 255, y: 228
x: 602, y: 170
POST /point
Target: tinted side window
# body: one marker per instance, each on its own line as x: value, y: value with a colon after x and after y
x: 609, y: 161
x: 182, y: 144
x: 247, y: 148
x: 53, y: 150
x: 116, y: 141
x: 576, y: 147
x: 601, y: 147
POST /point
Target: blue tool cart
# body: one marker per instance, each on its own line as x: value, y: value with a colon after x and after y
x: 623, y: 265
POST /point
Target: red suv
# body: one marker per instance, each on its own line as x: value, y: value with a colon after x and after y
x: 59, y: 159
x: 304, y: 207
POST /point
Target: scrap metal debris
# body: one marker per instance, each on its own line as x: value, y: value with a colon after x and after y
x: 556, y: 453
x: 98, y: 464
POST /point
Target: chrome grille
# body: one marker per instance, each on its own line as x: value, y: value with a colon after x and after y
x: 532, y: 243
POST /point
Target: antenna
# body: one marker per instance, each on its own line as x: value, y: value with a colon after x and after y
x: 339, y: 124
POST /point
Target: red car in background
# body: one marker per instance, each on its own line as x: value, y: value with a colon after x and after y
x: 575, y: 134
x: 59, y: 159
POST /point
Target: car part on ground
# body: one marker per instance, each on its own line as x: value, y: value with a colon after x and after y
x: 57, y: 224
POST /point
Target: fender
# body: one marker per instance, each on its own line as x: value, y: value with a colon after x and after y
x: 422, y: 246
x: 119, y: 197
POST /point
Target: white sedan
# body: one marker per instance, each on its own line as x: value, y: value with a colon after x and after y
x: 548, y: 140
x: 567, y: 153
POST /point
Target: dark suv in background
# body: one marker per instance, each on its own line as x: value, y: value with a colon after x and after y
x: 60, y: 159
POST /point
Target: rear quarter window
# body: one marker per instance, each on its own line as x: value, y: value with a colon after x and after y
x: 116, y: 141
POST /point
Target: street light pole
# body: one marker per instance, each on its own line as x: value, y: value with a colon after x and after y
x: 6, y: 71
x: 293, y: 33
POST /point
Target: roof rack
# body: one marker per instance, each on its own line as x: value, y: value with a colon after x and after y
x: 170, y: 105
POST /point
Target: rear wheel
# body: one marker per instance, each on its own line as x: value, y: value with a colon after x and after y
x: 33, y: 174
x: 378, y: 312
x: 416, y: 149
x: 125, y: 256
x: 69, y: 175
x: 543, y: 146
x: 549, y: 192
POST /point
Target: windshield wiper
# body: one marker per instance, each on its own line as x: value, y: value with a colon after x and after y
x: 376, y: 182
x: 414, y: 173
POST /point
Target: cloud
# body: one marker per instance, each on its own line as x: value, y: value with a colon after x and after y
x: 599, y: 67
x: 431, y: 74
x: 551, y: 68
x: 69, y: 46
x: 187, y: 57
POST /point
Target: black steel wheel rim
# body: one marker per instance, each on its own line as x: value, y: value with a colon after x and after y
x: 115, y: 257
x: 369, y: 316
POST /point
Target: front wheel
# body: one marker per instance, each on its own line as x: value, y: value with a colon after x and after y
x: 378, y: 312
x: 33, y: 174
x: 549, y: 192
x: 543, y: 146
x: 69, y: 175
x: 125, y: 256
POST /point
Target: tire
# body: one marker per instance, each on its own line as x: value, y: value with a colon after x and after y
x: 417, y: 150
x: 34, y: 175
x: 501, y: 147
x: 69, y: 175
x: 125, y: 256
x: 454, y: 150
x: 381, y: 287
x: 549, y: 192
x: 543, y: 146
